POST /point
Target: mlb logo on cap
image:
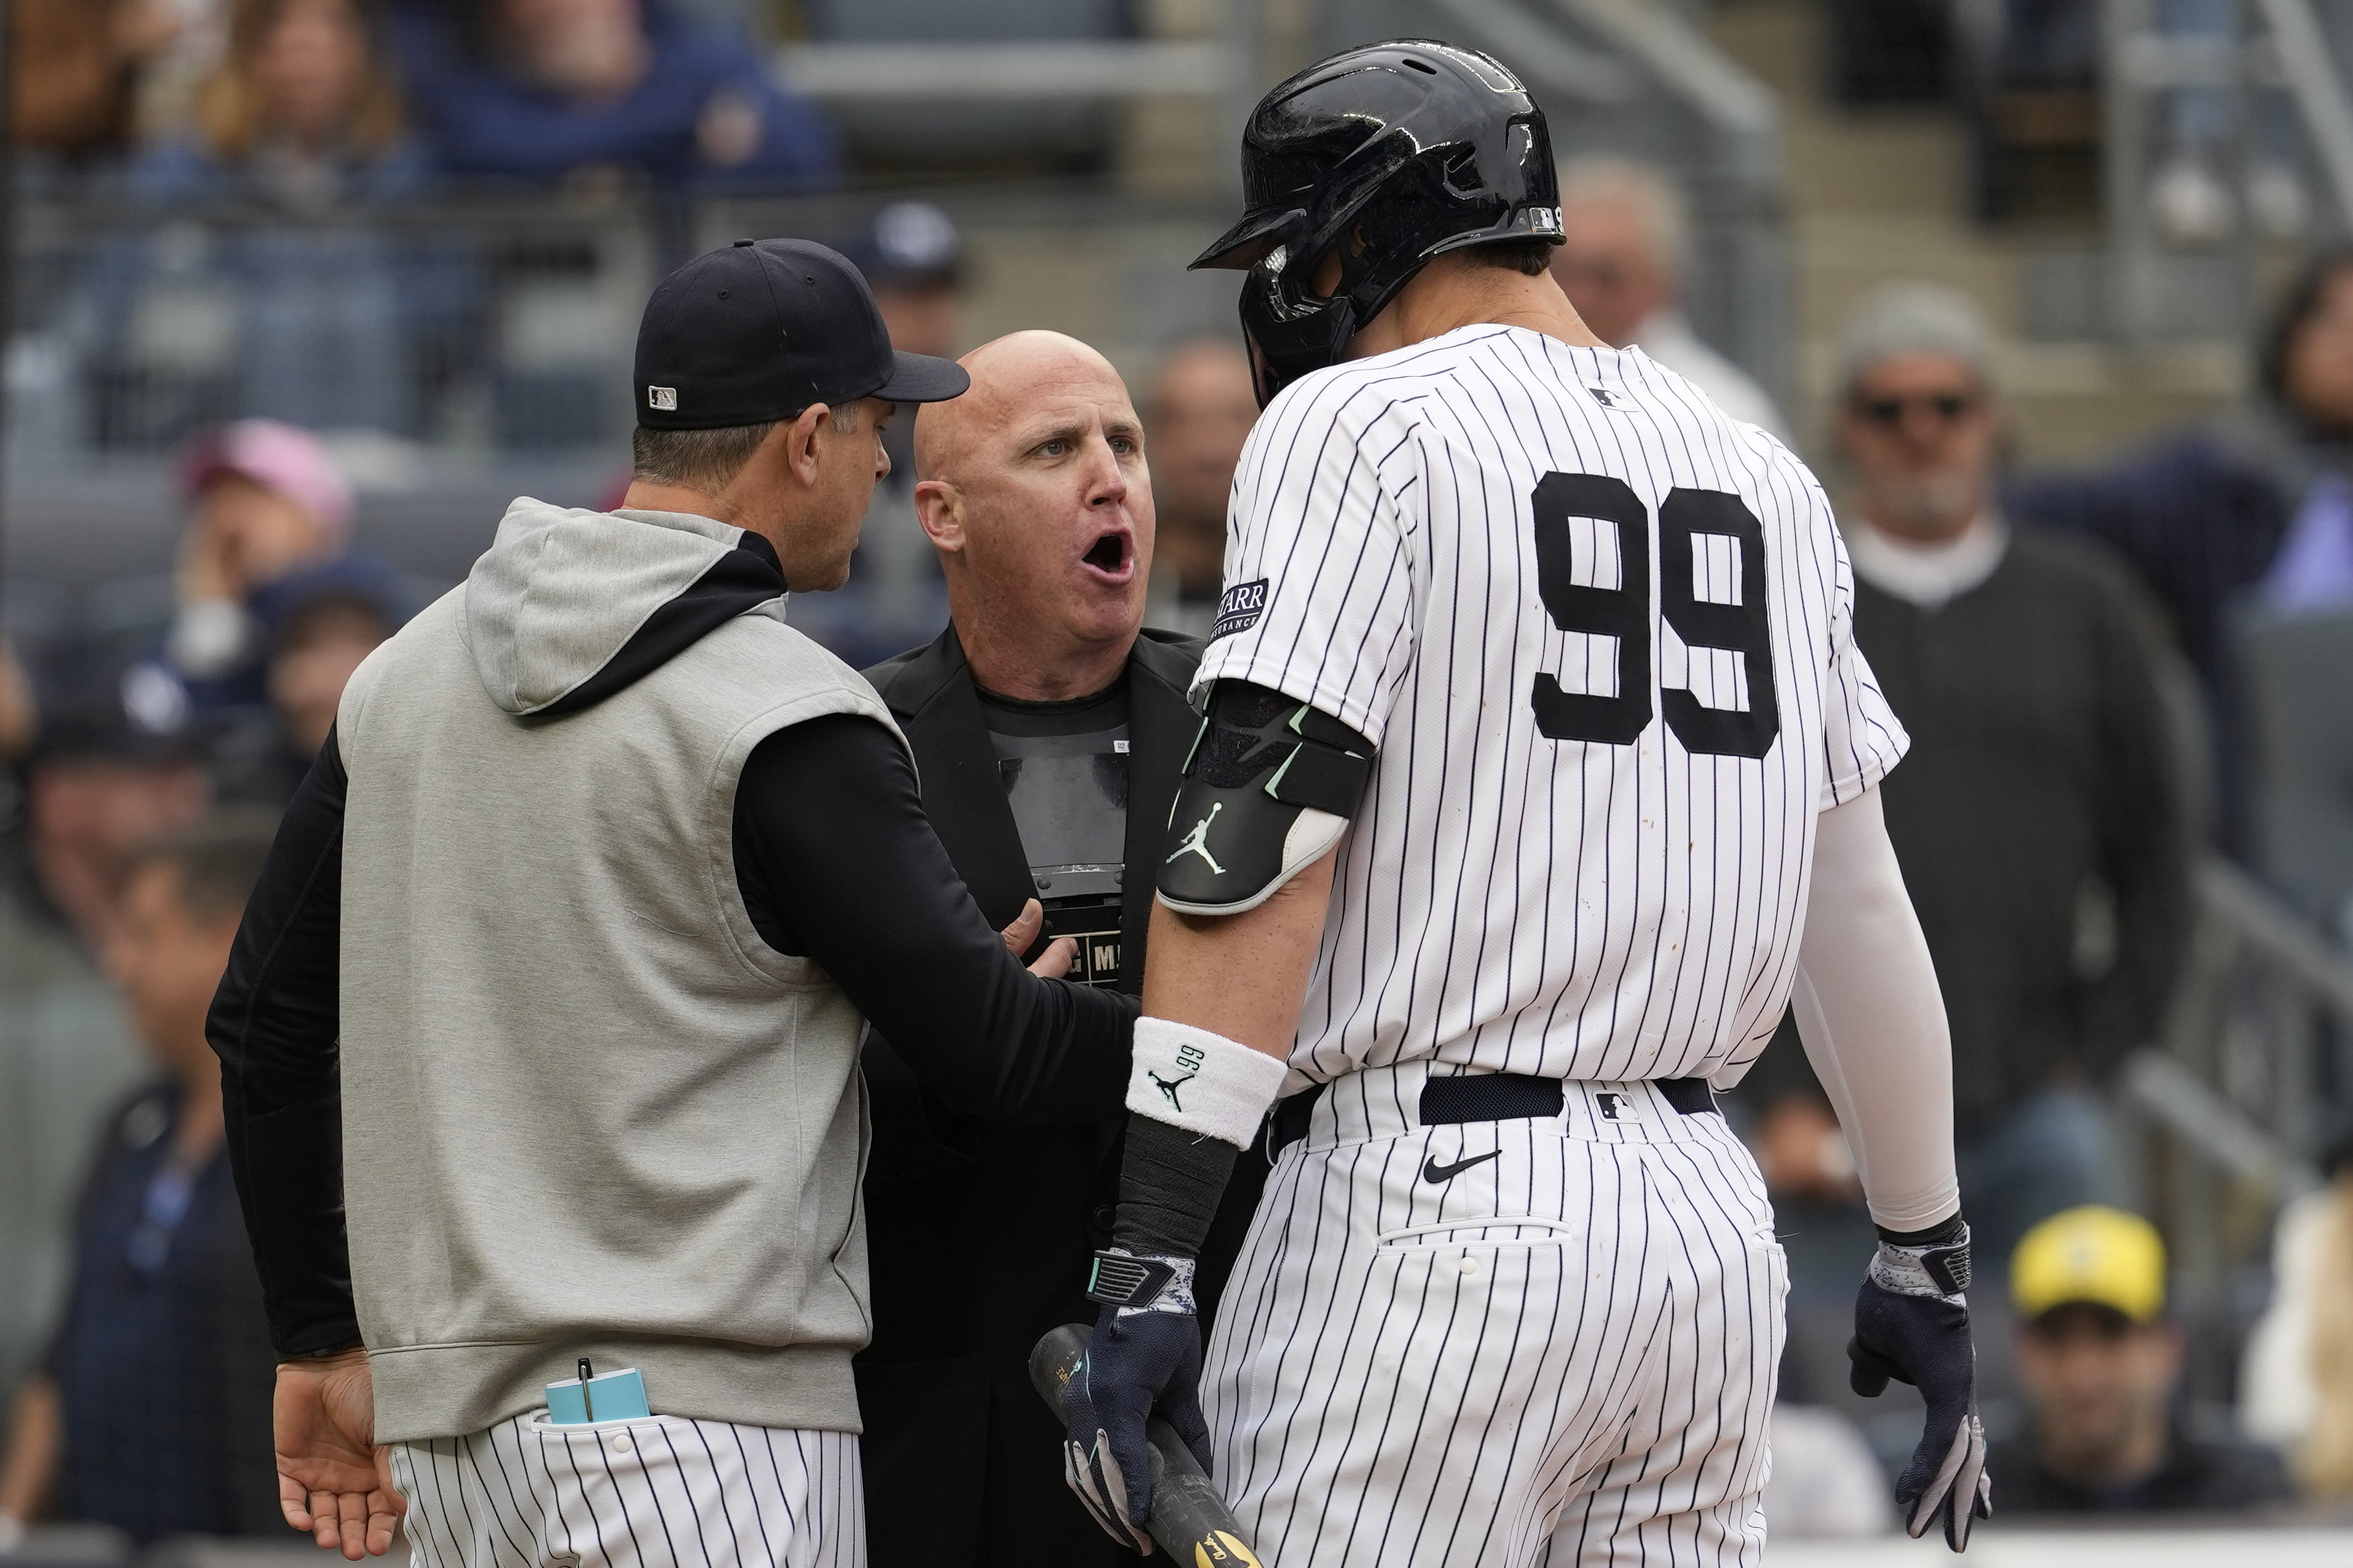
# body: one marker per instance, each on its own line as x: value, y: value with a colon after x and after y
x: 760, y: 330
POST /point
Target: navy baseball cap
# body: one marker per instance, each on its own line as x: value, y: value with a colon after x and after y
x: 763, y: 329
x: 909, y: 245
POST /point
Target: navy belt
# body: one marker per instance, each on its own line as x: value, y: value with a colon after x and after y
x: 1481, y: 1096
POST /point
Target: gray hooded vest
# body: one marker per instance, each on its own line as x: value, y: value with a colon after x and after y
x: 587, y: 1109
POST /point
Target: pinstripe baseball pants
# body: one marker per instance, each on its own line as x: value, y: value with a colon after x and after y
x: 660, y: 1491
x: 1548, y: 1342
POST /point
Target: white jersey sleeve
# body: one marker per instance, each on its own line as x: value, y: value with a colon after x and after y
x: 1862, y: 737
x: 1319, y: 602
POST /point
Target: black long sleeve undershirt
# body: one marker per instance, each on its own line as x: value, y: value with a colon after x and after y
x: 836, y: 862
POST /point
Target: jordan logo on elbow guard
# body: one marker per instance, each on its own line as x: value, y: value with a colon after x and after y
x: 1197, y: 842
x: 1170, y: 1086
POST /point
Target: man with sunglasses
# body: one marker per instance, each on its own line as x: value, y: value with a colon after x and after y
x: 2042, y: 780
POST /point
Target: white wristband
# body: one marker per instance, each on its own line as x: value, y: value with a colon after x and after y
x: 1202, y: 1082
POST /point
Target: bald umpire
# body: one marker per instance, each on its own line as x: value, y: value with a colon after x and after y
x: 1050, y: 727
x: 618, y: 865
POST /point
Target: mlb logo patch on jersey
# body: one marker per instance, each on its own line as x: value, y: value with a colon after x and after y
x: 1611, y: 398
x: 1240, y: 609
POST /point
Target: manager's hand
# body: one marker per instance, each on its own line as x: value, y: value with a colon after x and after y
x: 334, y: 1479
x: 1052, y: 963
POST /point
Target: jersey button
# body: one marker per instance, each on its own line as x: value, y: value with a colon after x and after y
x: 1105, y: 1217
x: 1467, y: 1264
x: 620, y: 1441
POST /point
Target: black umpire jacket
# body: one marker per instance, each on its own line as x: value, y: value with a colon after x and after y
x: 979, y: 1236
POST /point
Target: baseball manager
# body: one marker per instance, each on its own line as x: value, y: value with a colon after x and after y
x: 617, y: 866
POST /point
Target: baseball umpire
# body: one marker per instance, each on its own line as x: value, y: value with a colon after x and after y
x: 617, y: 865
x: 1538, y: 774
x: 1048, y: 726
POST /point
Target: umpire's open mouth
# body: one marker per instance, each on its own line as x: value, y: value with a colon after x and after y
x: 1111, y: 557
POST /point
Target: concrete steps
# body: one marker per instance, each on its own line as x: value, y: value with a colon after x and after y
x: 1876, y: 197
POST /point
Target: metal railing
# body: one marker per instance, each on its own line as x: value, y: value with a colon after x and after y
x: 489, y: 326
x: 2247, y: 1086
x: 2271, y: 52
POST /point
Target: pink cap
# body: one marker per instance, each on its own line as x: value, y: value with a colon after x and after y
x: 282, y: 458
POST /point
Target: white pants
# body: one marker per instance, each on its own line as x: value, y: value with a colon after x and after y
x: 1561, y: 1352
x: 660, y: 1491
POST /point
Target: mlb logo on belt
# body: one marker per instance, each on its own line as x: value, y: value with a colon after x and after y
x: 1613, y: 1106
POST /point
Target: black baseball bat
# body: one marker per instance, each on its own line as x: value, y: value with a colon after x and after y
x: 1189, y: 1520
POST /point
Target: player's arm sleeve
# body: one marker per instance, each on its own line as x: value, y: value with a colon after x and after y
x: 275, y: 1022
x: 830, y: 823
x: 1319, y: 584
x: 1873, y: 1021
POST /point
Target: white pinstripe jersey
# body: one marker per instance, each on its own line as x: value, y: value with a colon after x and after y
x: 1602, y: 635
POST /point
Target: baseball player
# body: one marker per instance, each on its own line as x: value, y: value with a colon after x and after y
x: 1537, y: 776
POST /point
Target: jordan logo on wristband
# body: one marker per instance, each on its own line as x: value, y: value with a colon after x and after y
x: 1170, y: 1086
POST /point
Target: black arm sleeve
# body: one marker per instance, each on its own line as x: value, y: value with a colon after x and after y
x: 274, y: 1025
x: 837, y: 862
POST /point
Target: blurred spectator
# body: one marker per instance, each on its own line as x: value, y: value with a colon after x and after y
x: 265, y: 501
x: 19, y: 715
x: 2296, y: 1390
x: 913, y: 258
x: 300, y: 114
x: 333, y: 323
x: 2255, y: 502
x: 545, y: 89
x: 1622, y: 267
x: 1825, y: 1483
x: 152, y: 1413
x: 100, y: 782
x: 72, y: 65
x: 1197, y: 411
x: 2099, y: 1365
x: 2040, y: 787
x: 185, y: 40
x: 116, y: 764
x: 326, y: 621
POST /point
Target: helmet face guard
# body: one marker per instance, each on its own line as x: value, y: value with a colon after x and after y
x: 1384, y: 157
x: 1289, y: 330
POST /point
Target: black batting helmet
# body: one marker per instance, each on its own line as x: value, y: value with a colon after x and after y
x: 1391, y: 154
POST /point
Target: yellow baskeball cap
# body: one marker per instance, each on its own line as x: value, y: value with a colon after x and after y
x: 2102, y: 1255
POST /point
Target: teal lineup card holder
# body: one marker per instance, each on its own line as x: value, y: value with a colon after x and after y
x: 615, y: 1396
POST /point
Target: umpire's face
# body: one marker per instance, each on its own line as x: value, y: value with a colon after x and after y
x: 1035, y: 491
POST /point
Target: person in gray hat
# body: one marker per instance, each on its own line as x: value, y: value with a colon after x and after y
x: 540, y: 1038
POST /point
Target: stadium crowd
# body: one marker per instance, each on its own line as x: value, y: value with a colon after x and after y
x: 2067, y: 651
x: 314, y: 103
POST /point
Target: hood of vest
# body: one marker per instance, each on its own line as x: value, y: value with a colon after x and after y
x: 568, y: 607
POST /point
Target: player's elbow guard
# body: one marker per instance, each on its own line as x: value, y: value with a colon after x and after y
x: 1269, y: 785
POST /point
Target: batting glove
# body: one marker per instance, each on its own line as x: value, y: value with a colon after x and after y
x: 1912, y: 1323
x: 1143, y: 1358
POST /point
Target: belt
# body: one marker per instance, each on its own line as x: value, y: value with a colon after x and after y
x: 1481, y: 1096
